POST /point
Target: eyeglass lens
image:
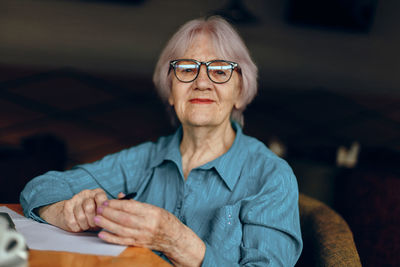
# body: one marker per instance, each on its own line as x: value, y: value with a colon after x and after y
x: 218, y: 71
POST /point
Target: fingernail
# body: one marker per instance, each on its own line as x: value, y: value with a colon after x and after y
x: 96, y: 219
x: 101, y: 235
x: 105, y: 203
x: 99, y: 210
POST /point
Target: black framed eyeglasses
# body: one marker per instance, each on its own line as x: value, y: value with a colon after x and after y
x: 187, y: 70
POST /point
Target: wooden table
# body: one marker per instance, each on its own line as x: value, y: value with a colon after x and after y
x: 131, y: 256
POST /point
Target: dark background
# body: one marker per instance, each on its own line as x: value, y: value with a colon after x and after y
x: 75, y: 85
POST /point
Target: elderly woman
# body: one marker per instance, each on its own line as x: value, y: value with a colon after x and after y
x: 207, y: 195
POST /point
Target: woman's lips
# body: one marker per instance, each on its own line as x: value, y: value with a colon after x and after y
x: 201, y: 101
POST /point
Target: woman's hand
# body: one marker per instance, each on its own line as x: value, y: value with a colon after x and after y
x: 76, y: 214
x: 129, y: 222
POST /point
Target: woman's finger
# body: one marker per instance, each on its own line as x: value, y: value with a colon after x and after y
x: 99, y: 197
x: 89, y: 208
x: 115, y: 239
x: 80, y: 217
x: 115, y: 227
x: 120, y: 217
x: 69, y: 217
x: 152, y: 222
x: 130, y: 206
x: 138, y: 215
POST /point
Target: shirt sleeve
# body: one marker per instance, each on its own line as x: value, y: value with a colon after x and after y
x: 271, y: 234
x: 49, y: 188
x: 110, y: 174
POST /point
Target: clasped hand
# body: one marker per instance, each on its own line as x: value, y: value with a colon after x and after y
x: 75, y: 214
x: 127, y: 222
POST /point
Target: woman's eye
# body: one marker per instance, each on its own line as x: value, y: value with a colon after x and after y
x: 188, y: 70
x: 221, y: 73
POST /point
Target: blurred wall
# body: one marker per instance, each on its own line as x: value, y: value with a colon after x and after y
x: 123, y: 38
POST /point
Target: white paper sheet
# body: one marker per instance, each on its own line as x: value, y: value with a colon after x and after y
x: 42, y: 236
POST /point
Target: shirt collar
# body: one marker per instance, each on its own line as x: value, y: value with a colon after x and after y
x: 170, y: 150
x: 228, y: 166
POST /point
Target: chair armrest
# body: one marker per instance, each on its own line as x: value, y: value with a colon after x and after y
x: 328, y: 240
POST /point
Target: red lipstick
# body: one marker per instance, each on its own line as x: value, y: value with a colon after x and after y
x: 201, y: 101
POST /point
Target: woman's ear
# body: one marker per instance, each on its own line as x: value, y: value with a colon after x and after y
x: 238, y: 104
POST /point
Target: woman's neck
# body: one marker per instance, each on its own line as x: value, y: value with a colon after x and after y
x: 203, y: 144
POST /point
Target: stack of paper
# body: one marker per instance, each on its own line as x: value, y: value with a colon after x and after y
x: 42, y: 236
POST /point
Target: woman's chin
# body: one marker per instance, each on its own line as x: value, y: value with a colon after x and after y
x: 201, y: 123
x: 204, y: 121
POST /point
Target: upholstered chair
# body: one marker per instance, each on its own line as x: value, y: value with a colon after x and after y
x: 328, y: 240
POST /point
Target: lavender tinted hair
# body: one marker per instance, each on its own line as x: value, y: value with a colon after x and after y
x: 227, y: 44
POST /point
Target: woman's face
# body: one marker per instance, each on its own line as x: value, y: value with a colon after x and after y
x: 203, y: 102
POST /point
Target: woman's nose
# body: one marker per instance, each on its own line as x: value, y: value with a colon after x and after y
x: 202, y: 80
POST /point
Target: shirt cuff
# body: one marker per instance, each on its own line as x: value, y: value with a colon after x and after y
x: 34, y: 197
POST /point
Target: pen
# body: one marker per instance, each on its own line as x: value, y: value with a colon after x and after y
x: 129, y: 196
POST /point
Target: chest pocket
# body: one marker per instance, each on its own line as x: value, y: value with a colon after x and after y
x: 226, y: 230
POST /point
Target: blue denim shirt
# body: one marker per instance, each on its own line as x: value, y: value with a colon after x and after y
x: 243, y: 205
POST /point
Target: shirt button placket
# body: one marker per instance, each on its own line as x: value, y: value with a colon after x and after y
x: 179, y: 204
x: 179, y: 208
x: 184, y: 200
